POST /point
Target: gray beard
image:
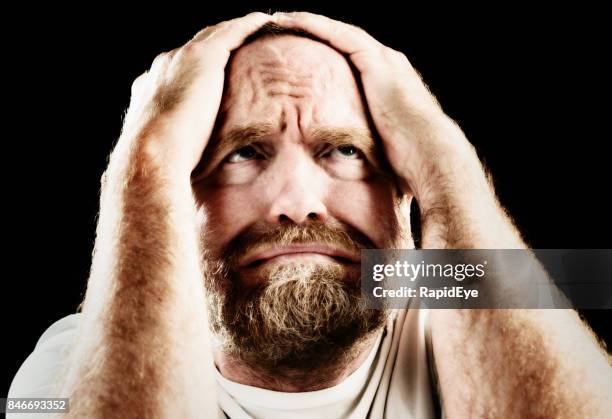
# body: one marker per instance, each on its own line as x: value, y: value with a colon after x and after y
x: 303, y: 318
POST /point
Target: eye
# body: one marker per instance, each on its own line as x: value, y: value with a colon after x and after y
x: 243, y: 154
x: 346, y: 152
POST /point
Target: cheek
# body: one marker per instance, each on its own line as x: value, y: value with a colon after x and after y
x: 368, y: 206
x: 227, y: 211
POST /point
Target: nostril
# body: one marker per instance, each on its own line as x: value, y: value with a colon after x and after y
x: 312, y: 216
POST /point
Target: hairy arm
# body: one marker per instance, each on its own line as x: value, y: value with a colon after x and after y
x: 500, y: 363
x: 143, y: 346
x: 491, y: 363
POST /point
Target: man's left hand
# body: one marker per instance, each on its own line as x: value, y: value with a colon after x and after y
x: 418, y: 138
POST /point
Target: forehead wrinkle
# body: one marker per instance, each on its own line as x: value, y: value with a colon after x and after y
x: 297, y: 70
x: 309, y: 80
x: 278, y: 79
x: 272, y: 71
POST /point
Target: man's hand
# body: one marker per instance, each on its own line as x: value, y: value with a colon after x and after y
x: 428, y: 152
x: 174, y: 105
x: 416, y: 133
x: 490, y: 363
x: 143, y: 348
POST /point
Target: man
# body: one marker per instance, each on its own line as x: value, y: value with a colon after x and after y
x: 254, y: 201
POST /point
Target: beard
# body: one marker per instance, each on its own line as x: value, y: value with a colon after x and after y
x: 291, y: 317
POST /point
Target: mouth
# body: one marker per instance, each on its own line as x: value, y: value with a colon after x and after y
x: 299, y: 253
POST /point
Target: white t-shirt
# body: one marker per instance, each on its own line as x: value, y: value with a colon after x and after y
x: 395, y: 380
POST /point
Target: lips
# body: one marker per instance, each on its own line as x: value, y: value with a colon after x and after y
x: 265, y: 254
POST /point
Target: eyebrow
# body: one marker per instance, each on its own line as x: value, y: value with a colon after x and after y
x: 358, y: 137
x: 242, y: 136
x: 239, y: 137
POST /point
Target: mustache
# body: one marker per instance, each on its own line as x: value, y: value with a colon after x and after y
x: 332, y: 234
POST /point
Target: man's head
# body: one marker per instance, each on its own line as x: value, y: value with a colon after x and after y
x: 292, y: 185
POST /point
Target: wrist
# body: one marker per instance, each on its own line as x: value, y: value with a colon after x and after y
x: 446, y: 168
x: 429, y: 149
x: 143, y: 164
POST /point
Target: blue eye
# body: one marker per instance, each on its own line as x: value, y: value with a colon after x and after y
x: 243, y: 154
x: 346, y: 152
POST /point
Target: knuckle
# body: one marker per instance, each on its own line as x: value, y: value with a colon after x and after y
x: 190, y: 50
x: 228, y: 23
x: 301, y: 14
x: 195, y: 52
x: 308, y: 17
x: 172, y: 53
x: 395, y: 55
x: 338, y: 30
x: 224, y: 24
x: 257, y: 14
x: 160, y: 60
x: 139, y: 80
x: 204, y: 32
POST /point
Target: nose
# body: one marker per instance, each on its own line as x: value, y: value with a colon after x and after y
x: 299, y: 191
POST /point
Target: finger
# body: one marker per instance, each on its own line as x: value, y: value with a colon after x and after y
x: 233, y: 34
x: 209, y: 30
x: 204, y: 33
x: 346, y: 38
x: 172, y: 53
x: 138, y: 83
x: 159, y: 67
x: 160, y: 61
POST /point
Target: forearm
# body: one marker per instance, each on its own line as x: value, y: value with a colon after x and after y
x: 502, y: 363
x: 143, y: 347
x: 519, y: 364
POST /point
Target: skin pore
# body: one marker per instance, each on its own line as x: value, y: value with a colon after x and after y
x: 293, y: 148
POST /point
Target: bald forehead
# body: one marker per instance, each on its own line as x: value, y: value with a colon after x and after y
x: 288, y: 89
x: 301, y: 56
x: 274, y: 72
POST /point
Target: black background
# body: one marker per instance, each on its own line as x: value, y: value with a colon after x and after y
x: 527, y: 86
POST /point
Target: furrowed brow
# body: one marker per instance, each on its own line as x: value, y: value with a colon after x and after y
x: 239, y: 137
x: 221, y: 146
x: 335, y: 136
x: 358, y: 137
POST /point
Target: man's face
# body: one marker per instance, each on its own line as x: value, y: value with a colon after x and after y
x: 292, y: 185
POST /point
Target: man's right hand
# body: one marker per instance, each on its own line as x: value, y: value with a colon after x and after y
x: 144, y: 343
x: 174, y: 105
